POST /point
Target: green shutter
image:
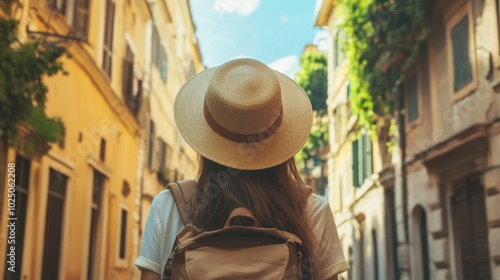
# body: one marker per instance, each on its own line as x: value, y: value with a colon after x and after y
x: 361, y: 162
x: 367, y: 159
x: 349, y: 112
x: 461, y: 55
x: 355, y: 164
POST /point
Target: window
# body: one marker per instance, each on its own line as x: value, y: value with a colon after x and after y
x: 97, y: 193
x: 123, y: 234
x: 81, y: 18
x: 412, y: 92
x: 349, y: 111
x: 76, y: 13
x: 128, y: 73
x: 107, y: 61
x: 131, y: 86
x: 102, y: 151
x: 159, y: 55
x: 338, y: 125
x: 338, y: 55
x: 461, y: 54
x: 53, y: 224
x: 152, y: 136
x: 471, y: 229
x: 163, y: 155
x: 58, y: 5
x: 361, y: 159
x: 23, y: 168
x: 424, y: 246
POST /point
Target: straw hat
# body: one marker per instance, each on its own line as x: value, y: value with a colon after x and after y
x: 244, y: 115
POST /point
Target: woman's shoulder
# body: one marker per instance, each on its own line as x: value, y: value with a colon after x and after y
x: 318, y: 210
x: 163, y: 202
x: 316, y: 203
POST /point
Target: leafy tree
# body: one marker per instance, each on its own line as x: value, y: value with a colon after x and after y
x: 24, y: 64
x: 313, y: 79
x: 316, y: 142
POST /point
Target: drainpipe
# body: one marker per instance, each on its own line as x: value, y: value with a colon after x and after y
x: 404, y: 181
x: 401, y: 191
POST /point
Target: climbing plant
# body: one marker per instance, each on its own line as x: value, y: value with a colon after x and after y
x: 383, y: 39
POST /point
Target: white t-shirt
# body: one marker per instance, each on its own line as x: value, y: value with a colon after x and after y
x: 164, y: 223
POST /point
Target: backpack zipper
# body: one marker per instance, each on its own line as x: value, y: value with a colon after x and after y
x: 169, y: 265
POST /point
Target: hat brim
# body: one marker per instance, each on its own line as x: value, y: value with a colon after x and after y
x: 288, y: 139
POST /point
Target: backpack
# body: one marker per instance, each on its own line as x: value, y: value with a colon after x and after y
x: 240, y: 250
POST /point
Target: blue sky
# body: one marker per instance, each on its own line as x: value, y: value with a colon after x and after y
x: 272, y: 31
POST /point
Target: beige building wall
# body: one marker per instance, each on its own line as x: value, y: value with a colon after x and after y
x: 452, y: 154
x: 358, y: 210
x: 453, y: 143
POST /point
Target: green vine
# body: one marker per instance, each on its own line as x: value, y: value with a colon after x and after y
x: 383, y: 39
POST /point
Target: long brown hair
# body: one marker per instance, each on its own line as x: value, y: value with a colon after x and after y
x: 277, y: 197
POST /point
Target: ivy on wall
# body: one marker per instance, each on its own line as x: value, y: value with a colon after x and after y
x: 383, y: 39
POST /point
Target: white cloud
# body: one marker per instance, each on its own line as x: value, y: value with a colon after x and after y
x: 242, y: 7
x: 288, y: 65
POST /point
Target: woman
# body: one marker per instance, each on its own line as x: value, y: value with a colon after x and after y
x: 247, y: 122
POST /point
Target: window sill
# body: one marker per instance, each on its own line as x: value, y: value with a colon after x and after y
x: 465, y: 92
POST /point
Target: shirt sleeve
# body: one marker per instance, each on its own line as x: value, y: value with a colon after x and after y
x: 150, y: 255
x: 329, y: 255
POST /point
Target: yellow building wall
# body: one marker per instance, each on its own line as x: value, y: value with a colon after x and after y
x: 91, y: 108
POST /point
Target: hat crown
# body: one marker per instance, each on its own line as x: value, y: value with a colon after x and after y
x: 244, y: 97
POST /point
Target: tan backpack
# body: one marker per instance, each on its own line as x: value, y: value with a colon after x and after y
x: 240, y: 250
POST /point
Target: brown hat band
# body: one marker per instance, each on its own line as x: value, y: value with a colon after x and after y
x: 237, y: 137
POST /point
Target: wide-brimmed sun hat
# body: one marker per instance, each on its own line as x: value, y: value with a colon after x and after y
x: 243, y: 114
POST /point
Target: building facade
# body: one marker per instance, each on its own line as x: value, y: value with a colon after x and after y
x: 452, y: 145
x: 80, y: 207
x: 438, y: 216
x: 355, y: 190
x: 173, y: 58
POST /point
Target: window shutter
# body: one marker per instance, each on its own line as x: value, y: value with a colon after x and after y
x: 361, y: 162
x: 156, y: 154
x: 81, y: 18
x: 349, y: 111
x: 108, y: 38
x: 155, y: 44
x: 164, y: 69
x: 412, y: 98
x: 367, y: 160
x: 355, y: 164
x: 461, y: 55
x: 151, y: 143
x: 123, y: 234
x: 128, y: 79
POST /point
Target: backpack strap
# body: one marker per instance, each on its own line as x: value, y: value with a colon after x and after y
x: 183, y: 192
